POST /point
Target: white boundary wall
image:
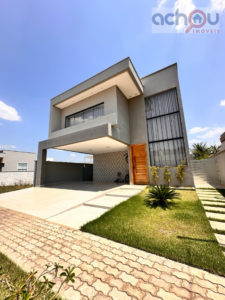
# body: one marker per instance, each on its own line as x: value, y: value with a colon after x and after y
x: 210, y: 170
x: 16, y: 178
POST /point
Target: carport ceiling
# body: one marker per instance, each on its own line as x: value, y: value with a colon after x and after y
x: 96, y: 146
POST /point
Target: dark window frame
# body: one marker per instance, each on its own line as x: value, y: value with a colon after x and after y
x: 181, y: 138
x: 82, y: 111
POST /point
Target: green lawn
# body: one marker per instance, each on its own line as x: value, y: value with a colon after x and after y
x: 16, y: 275
x: 10, y: 188
x: 181, y: 233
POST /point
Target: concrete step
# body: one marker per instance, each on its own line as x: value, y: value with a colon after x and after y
x: 217, y: 216
x: 208, y: 192
x: 221, y: 239
x: 123, y: 193
x: 106, y: 201
x: 210, y: 195
x: 213, y: 209
x: 213, y: 200
x: 217, y: 225
x: 213, y: 203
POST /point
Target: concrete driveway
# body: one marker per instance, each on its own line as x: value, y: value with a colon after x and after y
x: 72, y: 204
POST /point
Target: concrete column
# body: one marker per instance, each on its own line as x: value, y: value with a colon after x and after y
x: 41, y: 164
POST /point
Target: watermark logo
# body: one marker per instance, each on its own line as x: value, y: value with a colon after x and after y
x: 201, y: 21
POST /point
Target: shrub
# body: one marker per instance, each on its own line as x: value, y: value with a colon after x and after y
x: 40, y: 286
x: 167, y: 175
x: 161, y: 196
x: 180, y: 171
x: 155, y: 176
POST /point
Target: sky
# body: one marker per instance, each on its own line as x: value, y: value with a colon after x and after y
x: 48, y: 46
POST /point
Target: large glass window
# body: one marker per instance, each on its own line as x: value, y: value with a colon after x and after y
x: 165, y: 135
x: 91, y: 113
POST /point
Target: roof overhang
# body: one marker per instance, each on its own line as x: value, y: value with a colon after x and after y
x: 123, y: 75
x: 95, y: 146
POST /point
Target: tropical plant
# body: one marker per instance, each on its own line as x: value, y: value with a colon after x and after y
x: 214, y: 149
x: 161, y: 196
x: 155, y: 176
x: 200, y: 151
x: 40, y: 286
x: 180, y: 171
x: 167, y: 175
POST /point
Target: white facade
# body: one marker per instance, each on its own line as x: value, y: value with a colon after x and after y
x: 17, y: 167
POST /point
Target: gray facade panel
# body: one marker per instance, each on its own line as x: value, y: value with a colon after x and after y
x: 138, y: 126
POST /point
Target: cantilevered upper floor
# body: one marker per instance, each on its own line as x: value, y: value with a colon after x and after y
x: 100, y: 100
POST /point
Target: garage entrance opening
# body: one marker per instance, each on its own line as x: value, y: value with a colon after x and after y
x: 74, y: 167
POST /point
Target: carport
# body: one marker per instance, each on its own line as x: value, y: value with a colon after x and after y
x: 110, y: 157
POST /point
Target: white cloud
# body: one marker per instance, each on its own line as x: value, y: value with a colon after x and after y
x: 184, y: 7
x: 212, y: 133
x: 8, y: 112
x: 218, y: 5
x: 72, y: 154
x: 222, y: 102
x: 195, y: 130
x: 161, y: 3
x: 7, y: 147
x: 50, y: 159
x: 194, y: 141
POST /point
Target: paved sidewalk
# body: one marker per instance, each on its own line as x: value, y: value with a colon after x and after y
x: 105, y: 269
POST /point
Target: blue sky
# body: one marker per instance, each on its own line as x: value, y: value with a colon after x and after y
x: 48, y: 46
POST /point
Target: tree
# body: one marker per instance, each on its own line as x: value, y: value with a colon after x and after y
x: 200, y: 151
x: 214, y: 149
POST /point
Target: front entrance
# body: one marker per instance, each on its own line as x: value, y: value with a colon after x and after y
x: 138, y: 159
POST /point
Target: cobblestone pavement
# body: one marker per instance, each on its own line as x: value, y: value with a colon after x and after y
x: 105, y: 269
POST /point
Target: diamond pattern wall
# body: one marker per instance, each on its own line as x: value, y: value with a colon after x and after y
x: 107, y: 165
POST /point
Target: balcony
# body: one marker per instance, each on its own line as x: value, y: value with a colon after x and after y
x: 111, y: 119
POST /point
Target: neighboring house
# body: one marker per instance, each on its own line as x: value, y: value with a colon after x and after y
x: 127, y: 123
x: 222, y: 139
x: 16, y: 167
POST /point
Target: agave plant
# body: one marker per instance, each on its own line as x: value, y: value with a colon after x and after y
x: 161, y: 196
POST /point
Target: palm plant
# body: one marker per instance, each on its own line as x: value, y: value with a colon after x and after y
x: 161, y: 196
x: 214, y: 149
x: 200, y: 151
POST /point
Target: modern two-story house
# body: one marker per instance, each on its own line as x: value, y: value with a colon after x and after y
x: 127, y: 123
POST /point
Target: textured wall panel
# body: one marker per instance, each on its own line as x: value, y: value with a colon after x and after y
x: 107, y: 165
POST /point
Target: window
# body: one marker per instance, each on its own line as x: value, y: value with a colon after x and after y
x: 22, y: 167
x: 91, y: 113
x: 165, y: 134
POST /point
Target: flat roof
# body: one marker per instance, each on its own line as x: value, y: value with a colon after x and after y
x: 3, y: 150
x: 122, y: 74
x: 163, y: 69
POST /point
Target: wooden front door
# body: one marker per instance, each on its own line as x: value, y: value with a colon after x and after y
x: 138, y: 157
